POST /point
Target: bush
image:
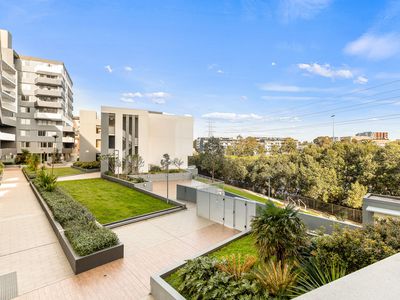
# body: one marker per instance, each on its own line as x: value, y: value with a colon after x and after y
x: 154, y: 169
x: 87, y: 165
x: 29, y: 173
x: 33, y: 162
x: 201, y: 279
x: 46, y: 181
x: 22, y: 158
x: 81, y: 229
x: 1, y: 168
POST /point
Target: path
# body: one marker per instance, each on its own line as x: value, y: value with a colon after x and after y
x: 80, y: 176
x: 29, y: 247
x: 28, y: 244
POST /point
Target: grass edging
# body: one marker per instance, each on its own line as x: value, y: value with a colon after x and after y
x: 78, y: 263
x: 162, y: 290
x: 86, y: 170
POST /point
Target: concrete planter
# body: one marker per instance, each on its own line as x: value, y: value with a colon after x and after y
x: 86, y: 170
x: 78, y: 263
x: 163, y: 176
x: 161, y: 290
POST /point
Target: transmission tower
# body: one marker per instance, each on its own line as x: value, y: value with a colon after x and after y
x: 210, y: 128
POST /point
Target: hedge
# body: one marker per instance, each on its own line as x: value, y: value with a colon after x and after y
x: 81, y: 228
x: 87, y: 165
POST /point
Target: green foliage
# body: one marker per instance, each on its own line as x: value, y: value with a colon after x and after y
x: 87, y: 165
x: 212, y: 158
x: 200, y: 278
x: 46, y: 181
x: 1, y: 167
x: 246, y: 147
x: 278, y: 277
x: 313, y: 275
x: 236, y: 266
x: 278, y: 232
x: 355, y: 195
x: 355, y: 248
x: 154, y: 169
x: 22, y: 158
x: 79, y: 224
x: 33, y: 162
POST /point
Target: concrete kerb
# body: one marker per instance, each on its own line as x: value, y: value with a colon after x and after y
x: 78, y: 263
x: 162, y: 290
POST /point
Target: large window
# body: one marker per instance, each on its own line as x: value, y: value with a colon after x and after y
x: 22, y: 133
x: 25, y: 121
x: 25, y: 144
x: 41, y: 133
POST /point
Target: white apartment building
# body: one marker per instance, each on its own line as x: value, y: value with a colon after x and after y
x: 89, y: 135
x: 126, y: 132
x: 36, y: 98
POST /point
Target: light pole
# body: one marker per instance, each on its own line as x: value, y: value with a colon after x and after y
x: 333, y: 128
x: 54, y: 152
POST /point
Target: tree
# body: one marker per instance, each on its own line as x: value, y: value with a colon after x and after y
x: 213, y: 156
x: 356, y: 194
x: 289, y: 145
x: 177, y: 163
x: 166, y: 161
x: 278, y: 232
x: 137, y: 163
x: 323, y: 141
x: 248, y: 147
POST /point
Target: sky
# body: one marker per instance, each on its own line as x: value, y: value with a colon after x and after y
x: 250, y: 67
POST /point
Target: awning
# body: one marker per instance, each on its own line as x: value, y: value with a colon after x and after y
x: 383, y: 211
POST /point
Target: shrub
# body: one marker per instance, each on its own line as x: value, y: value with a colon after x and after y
x: 234, y: 265
x: 278, y: 232
x: 87, y: 165
x: 33, y: 162
x: 201, y: 279
x: 154, y: 169
x: 1, y: 168
x: 47, y: 181
x: 22, y: 158
x: 277, y: 277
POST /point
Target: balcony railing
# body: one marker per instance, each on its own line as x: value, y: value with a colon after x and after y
x: 68, y: 129
x: 48, y: 81
x: 10, y: 121
x: 8, y: 95
x: 8, y: 80
x: 9, y: 106
x: 68, y: 139
x: 8, y: 67
x: 53, y: 104
x: 49, y: 92
x: 4, y: 136
x: 48, y: 116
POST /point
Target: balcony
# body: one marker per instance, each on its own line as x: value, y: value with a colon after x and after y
x: 53, y: 104
x: 8, y: 80
x: 10, y: 121
x: 8, y: 67
x: 49, y: 92
x: 68, y: 129
x: 48, y: 81
x: 8, y: 95
x: 67, y: 150
x: 48, y: 116
x: 68, y: 139
x: 12, y: 107
x: 4, y: 136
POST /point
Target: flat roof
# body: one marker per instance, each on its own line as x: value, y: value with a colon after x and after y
x: 383, y: 198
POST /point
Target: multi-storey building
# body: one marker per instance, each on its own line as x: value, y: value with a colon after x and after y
x: 375, y: 135
x: 150, y: 134
x: 89, y: 135
x: 42, y: 98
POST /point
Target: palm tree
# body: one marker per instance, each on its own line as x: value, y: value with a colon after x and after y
x: 278, y: 232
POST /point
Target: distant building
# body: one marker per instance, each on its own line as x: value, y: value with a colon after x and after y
x: 379, y: 138
x: 378, y: 135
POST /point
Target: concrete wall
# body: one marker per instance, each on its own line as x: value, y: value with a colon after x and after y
x: 88, y: 136
x: 382, y: 202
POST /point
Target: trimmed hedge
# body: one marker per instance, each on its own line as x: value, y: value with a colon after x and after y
x: 87, y: 165
x: 81, y: 229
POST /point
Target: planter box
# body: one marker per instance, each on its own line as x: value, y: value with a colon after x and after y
x: 86, y: 170
x: 163, y: 176
x: 162, y: 290
x: 78, y: 263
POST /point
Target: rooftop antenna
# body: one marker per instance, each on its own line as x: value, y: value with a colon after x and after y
x: 210, y: 128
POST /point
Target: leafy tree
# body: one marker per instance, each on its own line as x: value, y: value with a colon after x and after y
x: 247, y: 147
x: 356, y: 194
x: 288, y: 145
x: 212, y: 158
x: 278, y: 232
x: 166, y: 161
x: 178, y: 163
x: 323, y: 141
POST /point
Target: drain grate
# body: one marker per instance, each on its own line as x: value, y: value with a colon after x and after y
x: 8, y: 286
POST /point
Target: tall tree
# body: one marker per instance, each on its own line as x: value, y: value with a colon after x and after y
x: 212, y: 158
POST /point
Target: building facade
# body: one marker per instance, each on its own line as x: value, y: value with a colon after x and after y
x: 89, y: 135
x: 125, y: 132
x: 42, y: 103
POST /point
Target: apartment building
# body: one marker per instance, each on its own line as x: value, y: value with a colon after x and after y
x: 89, y: 135
x: 38, y: 104
x: 378, y: 138
x: 150, y: 134
x: 375, y: 135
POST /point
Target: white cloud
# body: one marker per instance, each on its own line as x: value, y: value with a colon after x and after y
x: 361, y: 80
x: 375, y: 47
x: 244, y: 98
x: 273, y: 64
x: 156, y: 97
x: 108, y: 69
x: 289, y: 98
x: 225, y: 116
x: 301, y: 9
x: 276, y: 87
x: 219, y: 71
x: 133, y: 95
x: 326, y: 70
x: 127, y: 100
x: 216, y: 68
x: 128, y: 68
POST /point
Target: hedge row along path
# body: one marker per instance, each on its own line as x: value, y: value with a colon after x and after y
x: 150, y: 247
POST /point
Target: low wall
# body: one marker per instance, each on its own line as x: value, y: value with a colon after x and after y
x: 148, y: 186
x: 78, y: 263
x: 163, y: 176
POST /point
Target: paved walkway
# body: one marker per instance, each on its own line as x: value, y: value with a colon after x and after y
x: 29, y: 247
x: 80, y: 176
x: 28, y: 244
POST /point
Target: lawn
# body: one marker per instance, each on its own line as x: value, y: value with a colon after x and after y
x: 243, y: 193
x: 109, y: 201
x: 67, y: 171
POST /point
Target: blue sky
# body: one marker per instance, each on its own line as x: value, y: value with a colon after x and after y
x: 262, y: 68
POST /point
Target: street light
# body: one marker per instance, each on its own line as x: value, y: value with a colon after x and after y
x: 54, y: 152
x: 333, y: 128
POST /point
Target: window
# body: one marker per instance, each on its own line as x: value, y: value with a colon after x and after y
x: 25, y: 109
x: 24, y: 98
x: 22, y: 133
x: 51, y: 133
x: 98, y: 129
x: 41, y: 133
x: 98, y: 144
x: 25, y: 121
x: 111, y: 142
x: 25, y: 144
x: 46, y: 144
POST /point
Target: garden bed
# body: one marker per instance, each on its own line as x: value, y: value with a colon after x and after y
x: 64, y: 171
x: 77, y: 231
x: 114, y: 204
x: 83, y: 170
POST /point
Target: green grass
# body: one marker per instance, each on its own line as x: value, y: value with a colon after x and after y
x: 243, y: 193
x: 243, y: 246
x: 109, y: 201
x: 67, y: 171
